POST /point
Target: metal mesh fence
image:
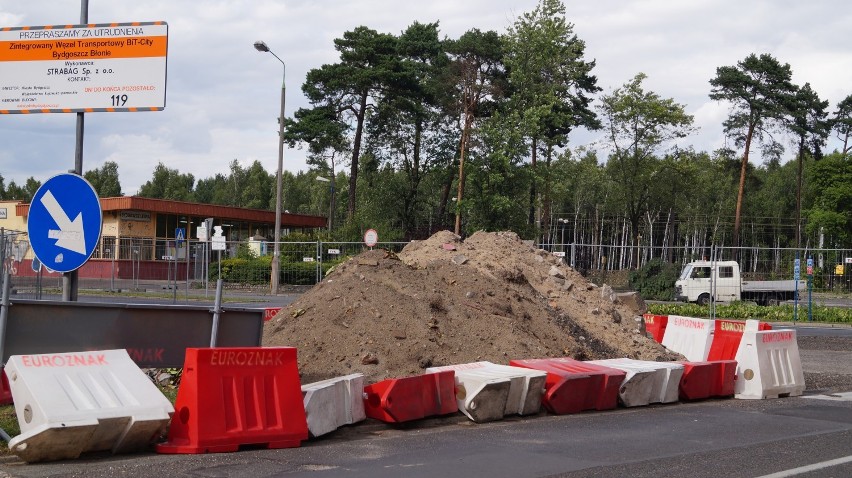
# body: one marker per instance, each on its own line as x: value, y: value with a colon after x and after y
x: 178, y: 269
x: 185, y: 269
x: 831, y: 269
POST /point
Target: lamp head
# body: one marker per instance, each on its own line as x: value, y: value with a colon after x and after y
x: 261, y: 46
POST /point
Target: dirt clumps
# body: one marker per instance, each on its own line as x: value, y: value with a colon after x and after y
x: 445, y: 301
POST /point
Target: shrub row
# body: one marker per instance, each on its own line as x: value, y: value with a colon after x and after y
x: 747, y: 310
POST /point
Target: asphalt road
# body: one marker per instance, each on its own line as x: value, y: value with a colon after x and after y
x: 731, y: 438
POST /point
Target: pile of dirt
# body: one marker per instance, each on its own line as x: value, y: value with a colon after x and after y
x: 445, y: 301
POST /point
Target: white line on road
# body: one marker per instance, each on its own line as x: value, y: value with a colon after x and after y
x: 809, y: 468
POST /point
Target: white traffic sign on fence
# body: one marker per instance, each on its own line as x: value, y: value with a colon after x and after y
x: 371, y: 237
x: 201, y: 233
x: 61, y: 243
x: 218, y: 239
x: 334, y: 252
x: 83, y: 68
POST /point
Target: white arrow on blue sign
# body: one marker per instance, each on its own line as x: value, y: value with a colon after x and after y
x: 64, y: 222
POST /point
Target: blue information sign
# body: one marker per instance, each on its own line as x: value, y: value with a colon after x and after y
x: 64, y: 222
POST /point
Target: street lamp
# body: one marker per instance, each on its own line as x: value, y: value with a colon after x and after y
x: 276, y: 247
x: 330, y: 200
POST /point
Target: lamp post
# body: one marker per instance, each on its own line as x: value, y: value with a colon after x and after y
x: 330, y: 200
x: 276, y: 247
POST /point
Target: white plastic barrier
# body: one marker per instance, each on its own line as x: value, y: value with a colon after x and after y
x: 663, y: 387
x: 332, y: 403
x: 71, y: 403
x: 526, y: 386
x: 689, y: 337
x: 768, y: 365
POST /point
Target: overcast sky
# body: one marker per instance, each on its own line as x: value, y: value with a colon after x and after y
x: 223, y: 96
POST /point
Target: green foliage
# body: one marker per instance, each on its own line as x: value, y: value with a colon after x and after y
x: 168, y: 183
x: 831, y: 212
x: 746, y: 310
x: 243, y: 271
x: 655, y: 280
x: 9, y: 421
x: 105, y: 180
x: 21, y: 193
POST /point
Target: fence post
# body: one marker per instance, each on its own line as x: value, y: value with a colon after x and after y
x: 319, y: 262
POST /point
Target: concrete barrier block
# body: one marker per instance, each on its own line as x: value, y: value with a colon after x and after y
x: 643, y: 383
x: 526, y: 385
x: 333, y: 403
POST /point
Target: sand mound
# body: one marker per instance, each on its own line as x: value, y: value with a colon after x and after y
x: 443, y: 301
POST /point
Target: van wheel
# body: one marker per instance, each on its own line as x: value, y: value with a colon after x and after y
x: 703, y: 299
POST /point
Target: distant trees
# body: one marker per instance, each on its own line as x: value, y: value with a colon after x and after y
x: 105, y: 180
x: 842, y: 122
x: 551, y: 87
x: 169, y: 183
x: 13, y: 191
x: 368, y: 62
x: 759, y: 90
x: 421, y: 132
x: 638, y: 124
x: 810, y: 126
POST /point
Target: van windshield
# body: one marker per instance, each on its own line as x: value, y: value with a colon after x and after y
x: 685, y: 273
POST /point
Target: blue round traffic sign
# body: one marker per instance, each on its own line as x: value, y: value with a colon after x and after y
x: 64, y: 222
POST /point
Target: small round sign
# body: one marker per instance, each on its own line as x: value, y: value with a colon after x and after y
x: 371, y: 237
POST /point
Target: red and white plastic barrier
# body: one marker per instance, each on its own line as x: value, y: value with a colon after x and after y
x: 236, y: 396
x: 689, y: 337
x: 77, y: 402
x: 405, y: 399
x: 769, y: 365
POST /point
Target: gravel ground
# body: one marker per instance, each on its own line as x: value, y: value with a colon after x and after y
x: 827, y: 363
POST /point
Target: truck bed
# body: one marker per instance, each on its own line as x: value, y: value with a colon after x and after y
x: 773, y: 285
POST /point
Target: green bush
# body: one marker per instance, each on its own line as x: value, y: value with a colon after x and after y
x: 746, y: 310
x: 655, y: 280
x: 243, y: 271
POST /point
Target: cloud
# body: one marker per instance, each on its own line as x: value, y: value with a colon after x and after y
x: 223, y: 97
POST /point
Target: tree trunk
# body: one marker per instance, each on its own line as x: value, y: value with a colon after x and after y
x: 799, y: 193
x: 743, y: 168
x: 448, y: 185
x: 533, y: 202
x: 468, y: 119
x: 356, y: 155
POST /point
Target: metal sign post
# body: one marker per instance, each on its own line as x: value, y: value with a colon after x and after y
x: 796, y: 276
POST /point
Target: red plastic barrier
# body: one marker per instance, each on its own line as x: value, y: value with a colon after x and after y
x: 237, y: 396
x: 656, y: 325
x: 697, y: 380
x: 726, y: 339
x: 400, y: 400
x: 5, y: 391
x: 724, y: 377
x: 713, y: 378
x: 573, y: 386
